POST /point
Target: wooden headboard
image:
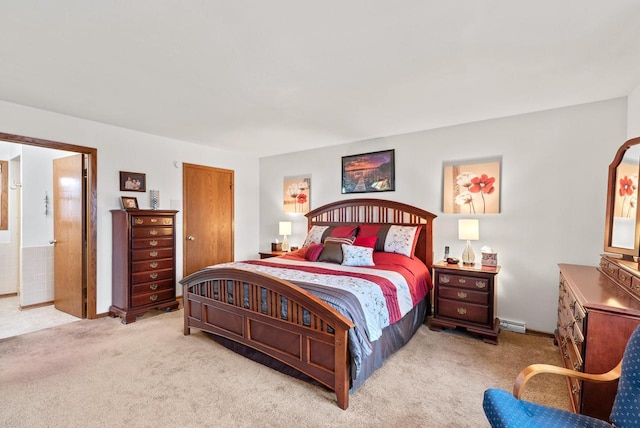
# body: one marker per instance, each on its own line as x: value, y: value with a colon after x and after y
x: 378, y: 211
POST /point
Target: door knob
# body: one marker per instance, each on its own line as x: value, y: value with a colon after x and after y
x: 190, y: 238
x: 53, y: 242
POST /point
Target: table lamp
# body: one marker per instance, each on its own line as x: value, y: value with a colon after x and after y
x: 468, y: 229
x: 285, y: 229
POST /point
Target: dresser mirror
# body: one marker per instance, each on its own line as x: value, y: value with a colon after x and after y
x: 621, y: 235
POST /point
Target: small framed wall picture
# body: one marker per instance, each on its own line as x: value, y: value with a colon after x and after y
x: 129, y: 203
x: 132, y: 182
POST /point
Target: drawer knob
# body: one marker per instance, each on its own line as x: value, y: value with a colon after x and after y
x: 153, y: 297
x: 153, y: 275
x: 167, y: 221
x: 445, y: 279
x: 481, y: 284
x: 153, y: 243
x: 153, y: 254
x: 139, y: 221
x: 154, y: 220
x: 153, y: 286
x: 462, y: 295
x: 154, y: 265
x: 462, y: 311
x: 153, y: 232
x: 462, y: 280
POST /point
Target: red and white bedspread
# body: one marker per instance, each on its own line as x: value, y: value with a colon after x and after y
x: 385, y: 292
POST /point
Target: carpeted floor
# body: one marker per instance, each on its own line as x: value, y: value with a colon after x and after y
x: 101, y: 373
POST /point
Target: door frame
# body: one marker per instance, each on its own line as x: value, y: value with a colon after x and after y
x: 91, y: 215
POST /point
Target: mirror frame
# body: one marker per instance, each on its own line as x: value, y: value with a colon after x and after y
x: 626, y: 253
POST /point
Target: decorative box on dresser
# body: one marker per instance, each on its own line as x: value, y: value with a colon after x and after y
x: 464, y: 296
x: 143, y: 262
x: 597, y: 312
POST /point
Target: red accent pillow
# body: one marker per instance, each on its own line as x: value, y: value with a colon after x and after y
x: 343, y: 231
x: 366, y: 241
x: 313, y: 252
x: 368, y: 230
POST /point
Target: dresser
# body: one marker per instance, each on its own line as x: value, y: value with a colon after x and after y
x: 143, y: 262
x: 464, y: 296
x: 597, y: 312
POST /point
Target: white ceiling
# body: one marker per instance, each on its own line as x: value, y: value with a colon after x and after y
x: 274, y: 76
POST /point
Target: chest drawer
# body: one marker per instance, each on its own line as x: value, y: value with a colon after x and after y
x: 151, y: 232
x: 151, y: 265
x: 141, y: 277
x: 465, y: 295
x: 464, y: 281
x: 153, y: 297
x: 152, y: 253
x: 152, y: 243
x: 151, y: 220
x: 151, y: 287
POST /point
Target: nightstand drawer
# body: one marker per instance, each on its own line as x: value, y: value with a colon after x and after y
x: 463, y: 311
x: 464, y: 281
x: 471, y: 296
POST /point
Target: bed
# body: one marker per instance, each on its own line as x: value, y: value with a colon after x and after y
x: 293, y: 324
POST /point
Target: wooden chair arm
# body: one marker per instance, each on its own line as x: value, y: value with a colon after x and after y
x: 534, y: 369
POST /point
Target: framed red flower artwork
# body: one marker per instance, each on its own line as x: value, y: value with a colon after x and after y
x: 472, y: 187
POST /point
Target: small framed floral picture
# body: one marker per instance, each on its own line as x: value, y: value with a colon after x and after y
x: 472, y: 186
x: 296, y: 194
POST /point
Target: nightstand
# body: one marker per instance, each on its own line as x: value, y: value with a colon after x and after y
x: 267, y: 254
x: 464, y: 296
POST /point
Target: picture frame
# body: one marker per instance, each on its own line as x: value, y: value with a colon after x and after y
x: 472, y: 186
x: 129, y: 202
x: 133, y: 181
x: 369, y: 172
x: 296, y: 194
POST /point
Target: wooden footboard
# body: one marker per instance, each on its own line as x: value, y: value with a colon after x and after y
x: 275, y: 317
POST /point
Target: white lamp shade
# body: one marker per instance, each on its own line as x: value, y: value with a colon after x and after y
x: 468, y: 229
x: 285, y: 228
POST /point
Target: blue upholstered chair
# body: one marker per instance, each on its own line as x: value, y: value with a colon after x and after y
x: 506, y: 410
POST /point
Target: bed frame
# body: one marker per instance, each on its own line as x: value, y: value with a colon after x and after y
x: 228, y: 302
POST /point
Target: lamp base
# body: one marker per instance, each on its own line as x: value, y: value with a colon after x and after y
x: 285, y: 244
x: 468, y: 258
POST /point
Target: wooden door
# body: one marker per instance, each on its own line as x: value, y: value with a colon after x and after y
x: 68, y: 207
x: 207, y: 216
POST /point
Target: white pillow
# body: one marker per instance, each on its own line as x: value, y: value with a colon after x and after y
x: 400, y: 240
x: 353, y: 255
x: 314, y: 236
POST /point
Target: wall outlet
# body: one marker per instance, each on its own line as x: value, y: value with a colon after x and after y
x: 518, y: 327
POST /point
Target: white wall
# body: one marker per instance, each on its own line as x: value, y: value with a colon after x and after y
x: 554, y: 186
x: 126, y: 150
x: 633, y: 113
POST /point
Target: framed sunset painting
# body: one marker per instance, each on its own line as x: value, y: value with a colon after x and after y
x: 369, y: 172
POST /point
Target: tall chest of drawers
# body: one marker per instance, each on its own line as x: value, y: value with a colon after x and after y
x: 464, y: 296
x: 143, y: 262
x: 596, y: 317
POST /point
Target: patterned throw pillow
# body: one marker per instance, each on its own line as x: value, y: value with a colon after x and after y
x: 400, y: 239
x: 349, y: 240
x: 314, y: 236
x: 357, y: 256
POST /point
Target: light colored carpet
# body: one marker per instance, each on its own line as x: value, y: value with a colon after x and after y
x: 101, y: 373
x: 14, y: 321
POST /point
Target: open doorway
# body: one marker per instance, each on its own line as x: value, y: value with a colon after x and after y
x: 89, y: 197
